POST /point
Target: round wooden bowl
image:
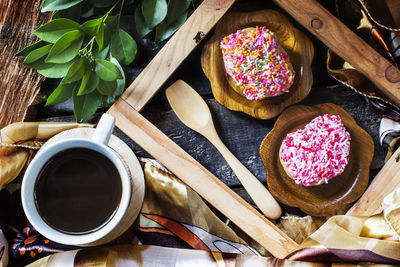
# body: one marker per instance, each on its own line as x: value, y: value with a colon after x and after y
x: 325, y: 199
x: 297, y: 45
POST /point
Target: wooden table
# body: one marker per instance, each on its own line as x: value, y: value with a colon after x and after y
x: 242, y: 134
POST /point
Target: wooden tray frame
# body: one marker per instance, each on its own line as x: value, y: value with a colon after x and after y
x: 325, y: 27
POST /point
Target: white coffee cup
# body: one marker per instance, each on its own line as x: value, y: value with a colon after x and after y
x: 123, y: 216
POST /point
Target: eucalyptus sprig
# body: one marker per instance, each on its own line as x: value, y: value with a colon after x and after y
x: 86, y: 56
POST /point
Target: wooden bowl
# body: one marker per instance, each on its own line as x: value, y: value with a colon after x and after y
x: 325, y: 199
x: 297, y: 45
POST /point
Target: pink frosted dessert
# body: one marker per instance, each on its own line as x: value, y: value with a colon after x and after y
x: 317, y: 153
x: 258, y: 66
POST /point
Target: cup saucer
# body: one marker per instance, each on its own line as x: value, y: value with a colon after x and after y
x: 126, y: 155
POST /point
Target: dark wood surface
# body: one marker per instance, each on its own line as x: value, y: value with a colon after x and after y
x: 241, y: 133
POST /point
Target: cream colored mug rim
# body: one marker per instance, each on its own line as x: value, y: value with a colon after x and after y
x: 27, y: 192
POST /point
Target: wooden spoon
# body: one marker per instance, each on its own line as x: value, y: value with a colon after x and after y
x: 193, y: 111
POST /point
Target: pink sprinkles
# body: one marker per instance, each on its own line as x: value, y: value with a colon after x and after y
x: 256, y: 64
x: 318, y: 152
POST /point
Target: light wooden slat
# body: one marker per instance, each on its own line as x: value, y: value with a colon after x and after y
x: 174, y: 52
x: 201, y: 180
x: 383, y: 184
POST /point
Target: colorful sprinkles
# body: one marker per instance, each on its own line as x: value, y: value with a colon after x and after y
x: 318, y: 152
x: 256, y: 64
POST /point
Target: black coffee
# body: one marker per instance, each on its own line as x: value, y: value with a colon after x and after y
x: 78, y: 191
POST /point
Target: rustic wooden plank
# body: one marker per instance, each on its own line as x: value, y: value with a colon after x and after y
x: 384, y: 183
x: 174, y: 52
x: 18, y: 85
x: 201, y: 180
x: 347, y: 44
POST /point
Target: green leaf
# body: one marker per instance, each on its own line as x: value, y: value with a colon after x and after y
x: 55, y: 70
x: 111, y: 22
x: 108, y: 100
x: 89, y: 82
x: 141, y: 26
x: 54, y: 5
x: 87, y: 10
x: 102, y: 3
x: 91, y: 27
x: 176, y: 16
x: 86, y: 105
x: 123, y: 47
x: 66, y: 48
x: 52, y: 31
x: 99, y: 30
x: 56, y: 15
x: 102, y: 54
x: 76, y: 70
x: 107, y: 88
x: 129, y: 2
x: 176, y: 8
x: 35, y: 59
x: 103, y: 36
x: 37, y: 54
x: 39, y: 65
x: 154, y: 11
x: 165, y: 30
x: 24, y: 52
x: 107, y: 70
x: 62, y: 93
x: 73, y: 13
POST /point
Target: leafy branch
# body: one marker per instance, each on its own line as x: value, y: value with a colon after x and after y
x: 87, y: 56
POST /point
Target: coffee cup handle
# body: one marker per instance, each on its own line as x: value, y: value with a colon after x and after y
x: 104, y: 129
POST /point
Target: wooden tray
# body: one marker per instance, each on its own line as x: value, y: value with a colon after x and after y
x: 326, y: 199
x: 299, y: 48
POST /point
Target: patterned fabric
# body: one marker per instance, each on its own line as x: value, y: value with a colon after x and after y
x: 389, y: 136
x: 346, y: 239
x: 3, y: 250
x: 378, y: 23
x: 165, y: 220
x: 172, y: 215
x: 138, y: 255
x: 174, y: 212
x: 394, y: 44
x: 26, y: 244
